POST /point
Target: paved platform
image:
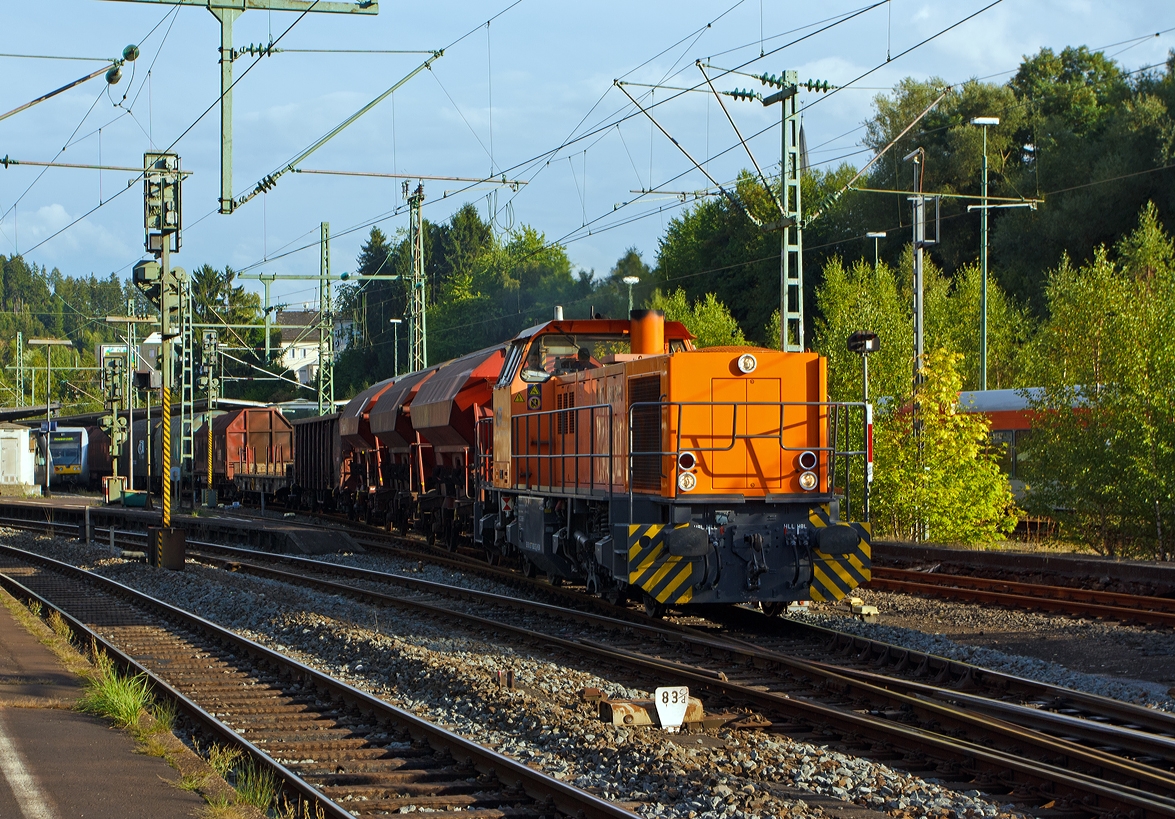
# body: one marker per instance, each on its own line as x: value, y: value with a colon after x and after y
x: 217, y: 526
x: 58, y: 764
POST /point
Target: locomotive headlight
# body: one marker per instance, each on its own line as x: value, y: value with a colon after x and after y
x: 747, y: 363
x: 686, y: 461
x: 686, y: 481
x: 807, y: 460
x: 808, y: 481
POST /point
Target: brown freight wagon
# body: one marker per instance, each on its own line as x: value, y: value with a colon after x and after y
x: 321, y: 473
x: 252, y: 451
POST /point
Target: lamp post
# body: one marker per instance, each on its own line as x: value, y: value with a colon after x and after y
x: 875, y: 235
x: 630, y: 281
x: 48, y: 344
x: 396, y: 342
x: 864, y: 342
x: 983, y: 122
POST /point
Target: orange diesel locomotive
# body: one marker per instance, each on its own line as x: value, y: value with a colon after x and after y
x: 619, y: 455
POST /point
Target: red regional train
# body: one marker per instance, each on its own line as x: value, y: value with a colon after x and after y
x: 1009, y: 413
x: 615, y: 454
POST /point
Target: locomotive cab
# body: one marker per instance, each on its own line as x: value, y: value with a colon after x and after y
x: 623, y: 457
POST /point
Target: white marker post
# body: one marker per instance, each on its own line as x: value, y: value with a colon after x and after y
x: 671, y: 702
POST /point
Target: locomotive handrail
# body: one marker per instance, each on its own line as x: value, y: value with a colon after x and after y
x: 554, y: 416
x: 734, y: 434
x: 833, y: 420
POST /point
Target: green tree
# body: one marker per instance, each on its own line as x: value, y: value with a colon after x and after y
x: 707, y: 318
x: 1102, y: 457
x: 946, y: 483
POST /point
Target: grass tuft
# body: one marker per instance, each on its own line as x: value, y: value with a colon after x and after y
x: 114, y: 695
x: 59, y: 626
x: 222, y: 759
x: 294, y: 810
x: 255, y: 785
x: 165, y: 715
x: 35, y: 607
x: 191, y: 782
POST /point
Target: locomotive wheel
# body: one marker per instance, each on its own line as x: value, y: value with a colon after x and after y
x: 614, y: 595
x: 654, y: 608
x: 773, y: 609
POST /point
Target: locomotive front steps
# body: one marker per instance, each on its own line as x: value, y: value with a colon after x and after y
x: 265, y: 534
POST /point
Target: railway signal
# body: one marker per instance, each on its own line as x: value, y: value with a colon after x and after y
x: 211, y: 383
x: 164, y: 287
x: 114, y: 370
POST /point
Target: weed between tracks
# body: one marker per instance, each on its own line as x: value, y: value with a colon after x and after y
x: 255, y: 785
x: 222, y: 759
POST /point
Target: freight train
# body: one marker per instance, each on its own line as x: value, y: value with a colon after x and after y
x: 610, y: 453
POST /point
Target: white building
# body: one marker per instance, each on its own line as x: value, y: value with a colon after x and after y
x: 299, y: 342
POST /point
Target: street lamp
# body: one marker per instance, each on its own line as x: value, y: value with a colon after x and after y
x: 875, y: 235
x: 630, y: 281
x: 983, y: 122
x: 48, y: 344
x: 396, y: 352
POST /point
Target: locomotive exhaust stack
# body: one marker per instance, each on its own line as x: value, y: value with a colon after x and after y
x: 647, y: 336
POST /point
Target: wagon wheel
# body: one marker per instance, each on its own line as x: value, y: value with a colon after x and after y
x: 554, y: 579
x: 653, y: 608
x: 528, y: 568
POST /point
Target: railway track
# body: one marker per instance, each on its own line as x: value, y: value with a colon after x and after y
x: 1159, y: 611
x: 337, y: 750
x: 809, y: 700
x: 1128, y: 771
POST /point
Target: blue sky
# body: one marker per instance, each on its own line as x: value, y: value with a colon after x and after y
x: 501, y: 100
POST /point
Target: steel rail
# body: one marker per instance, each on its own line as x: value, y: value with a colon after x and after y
x: 927, y: 711
x: 978, y: 590
x: 537, y: 785
x: 951, y: 674
x: 202, y: 717
x: 1093, y: 596
x: 948, y: 673
x: 1135, y: 741
x: 687, y: 670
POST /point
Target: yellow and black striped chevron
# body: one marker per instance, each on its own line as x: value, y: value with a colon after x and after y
x: 834, y: 576
x: 667, y: 578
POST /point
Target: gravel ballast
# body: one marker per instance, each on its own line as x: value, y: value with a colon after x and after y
x: 446, y: 673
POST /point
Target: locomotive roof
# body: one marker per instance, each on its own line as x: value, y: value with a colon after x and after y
x: 603, y: 327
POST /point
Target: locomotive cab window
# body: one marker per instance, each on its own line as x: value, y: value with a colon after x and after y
x: 562, y: 353
x: 510, y: 367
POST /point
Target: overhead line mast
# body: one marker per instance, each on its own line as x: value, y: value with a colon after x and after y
x: 227, y: 12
